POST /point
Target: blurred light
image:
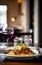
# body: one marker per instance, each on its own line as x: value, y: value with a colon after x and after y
x: 30, y: 30
x: 3, y: 8
x: 19, y: 1
x: 12, y: 19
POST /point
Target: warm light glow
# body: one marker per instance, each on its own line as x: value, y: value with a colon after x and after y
x: 19, y: 1
x: 12, y: 19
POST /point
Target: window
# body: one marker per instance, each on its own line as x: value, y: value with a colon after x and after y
x: 3, y: 17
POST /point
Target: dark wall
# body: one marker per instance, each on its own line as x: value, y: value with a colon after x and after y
x: 31, y: 13
x: 40, y: 22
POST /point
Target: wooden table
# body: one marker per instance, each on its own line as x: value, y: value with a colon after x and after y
x: 35, y: 61
x: 20, y: 63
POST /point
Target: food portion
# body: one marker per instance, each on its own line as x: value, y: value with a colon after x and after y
x: 21, y: 50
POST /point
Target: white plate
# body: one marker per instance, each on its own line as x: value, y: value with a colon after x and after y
x: 34, y: 50
x: 23, y: 55
x: 11, y: 48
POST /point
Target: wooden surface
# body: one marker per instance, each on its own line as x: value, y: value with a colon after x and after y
x: 19, y: 63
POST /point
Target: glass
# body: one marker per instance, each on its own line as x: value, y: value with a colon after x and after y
x: 26, y: 41
x: 15, y: 41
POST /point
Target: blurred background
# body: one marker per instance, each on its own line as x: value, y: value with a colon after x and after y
x: 21, y: 18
